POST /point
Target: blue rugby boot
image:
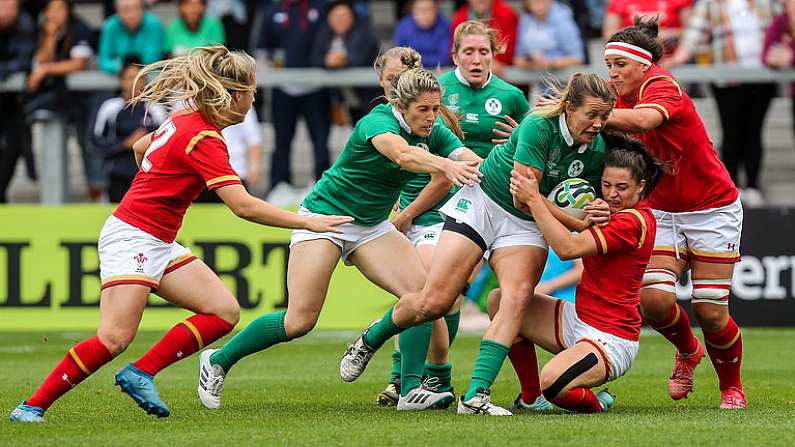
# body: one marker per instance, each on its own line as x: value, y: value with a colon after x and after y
x: 26, y: 413
x: 141, y: 388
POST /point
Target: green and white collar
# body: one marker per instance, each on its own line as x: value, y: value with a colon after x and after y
x: 463, y: 80
x: 564, y: 130
x: 402, y: 121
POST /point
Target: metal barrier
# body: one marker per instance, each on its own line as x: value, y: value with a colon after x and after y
x: 53, y: 182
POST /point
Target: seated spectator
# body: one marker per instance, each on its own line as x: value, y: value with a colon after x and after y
x: 673, y: 15
x: 346, y: 40
x: 117, y: 127
x: 192, y: 29
x: 427, y: 31
x: 287, y: 33
x: 131, y: 31
x: 498, y: 15
x: 244, y: 142
x: 734, y: 33
x: 548, y: 37
x: 779, y: 48
x: 17, y: 44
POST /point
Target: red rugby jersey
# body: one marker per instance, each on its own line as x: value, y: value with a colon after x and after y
x: 608, y: 295
x: 700, y: 180
x: 187, y: 154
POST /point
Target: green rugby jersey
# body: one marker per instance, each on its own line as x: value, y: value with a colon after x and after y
x: 478, y: 109
x: 545, y: 144
x: 363, y: 183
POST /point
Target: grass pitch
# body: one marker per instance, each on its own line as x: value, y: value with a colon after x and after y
x: 293, y: 395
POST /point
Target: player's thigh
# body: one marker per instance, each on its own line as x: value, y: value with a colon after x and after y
x: 542, y: 323
x: 392, y: 263
x: 195, y: 287
x: 121, y: 308
x: 518, y: 269
x: 581, y: 365
x: 425, y: 253
x: 711, y: 311
x: 453, y: 260
x: 309, y: 271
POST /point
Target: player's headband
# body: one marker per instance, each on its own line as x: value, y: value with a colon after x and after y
x: 628, y: 51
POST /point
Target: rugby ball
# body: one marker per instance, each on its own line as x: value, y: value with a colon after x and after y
x: 572, y: 196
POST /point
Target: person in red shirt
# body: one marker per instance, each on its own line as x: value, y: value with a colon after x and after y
x: 672, y: 14
x: 498, y: 15
x: 137, y: 251
x: 699, y: 215
x: 596, y: 339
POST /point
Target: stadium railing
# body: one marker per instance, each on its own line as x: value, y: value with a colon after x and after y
x: 53, y: 179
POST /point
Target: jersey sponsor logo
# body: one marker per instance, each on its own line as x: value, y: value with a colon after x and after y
x: 575, y: 168
x: 472, y: 118
x: 140, y: 259
x: 424, y: 147
x: 463, y: 205
x: 493, y: 106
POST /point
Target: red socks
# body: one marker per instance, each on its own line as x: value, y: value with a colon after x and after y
x: 523, y: 359
x: 581, y: 400
x: 80, y: 362
x: 725, y: 349
x: 182, y: 340
x: 677, y: 330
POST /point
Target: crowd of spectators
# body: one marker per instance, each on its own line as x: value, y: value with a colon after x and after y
x: 46, y: 41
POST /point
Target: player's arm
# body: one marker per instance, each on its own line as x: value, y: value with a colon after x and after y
x: 571, y: 222
x: 635, y: 120
x: 431, y: 194
x: 140, y: 146
x: 415, y: 159
x: 566, y: 245
x: 248, y: 207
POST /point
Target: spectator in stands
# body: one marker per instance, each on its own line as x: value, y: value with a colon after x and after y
x: 673, y: 15
x: 346, y: 40
x: 498, y: 15
x: 428, y: 31
x: 548, y: 37
x: 779, y: 48
x: 117, y: 127
x: 17, y: 44
x: 192, y: 29
x: 234, y: 16
x: 131, y: 31
x: 733, y: 32
x: 244, y: 142
x: 287, y: 33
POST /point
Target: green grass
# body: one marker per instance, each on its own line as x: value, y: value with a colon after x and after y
x: 293, y: 395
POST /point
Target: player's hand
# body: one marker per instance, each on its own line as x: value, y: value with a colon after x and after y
x: 545, y: 100
x: 402, y: 222
x: 597, y: 213
x: 462, y: 173
x: 326, y: 224
x: 524, y: 188
x: 504, y: 130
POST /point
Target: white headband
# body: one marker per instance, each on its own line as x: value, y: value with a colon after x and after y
x: 629, y: 51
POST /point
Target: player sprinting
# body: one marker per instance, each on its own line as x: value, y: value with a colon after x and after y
x: 387, y: 147
x: 596, y: 339
x: 558, y: 142
x: 137, y: 251
x: 698, y: 211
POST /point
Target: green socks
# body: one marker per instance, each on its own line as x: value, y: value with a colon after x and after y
x: 261, y: 334
x: 452, y: 321
x: 442, y: 372
x: 414, y: 344
x: 490, y: 359
x: 379, y: 333
x: 395, y: 375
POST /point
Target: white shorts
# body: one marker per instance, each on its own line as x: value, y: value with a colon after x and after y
x: 129, y: 255
x: 617, y: 352
x: 425, y: 234
x: 711, y: 235
x: 497, y: 227
x: 352, y: 237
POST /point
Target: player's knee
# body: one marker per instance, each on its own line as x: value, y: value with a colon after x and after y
x: 436, y: 301
x: 493, y: 304
x: 655, y: 309
x: 115, y: 340
x: 519, y: 297
x: 230, y: 312
x: 546, y: 379
x: 299, y: 325
x: 711, y: 318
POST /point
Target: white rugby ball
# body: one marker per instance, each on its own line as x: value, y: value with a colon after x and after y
x: 572, y: 196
